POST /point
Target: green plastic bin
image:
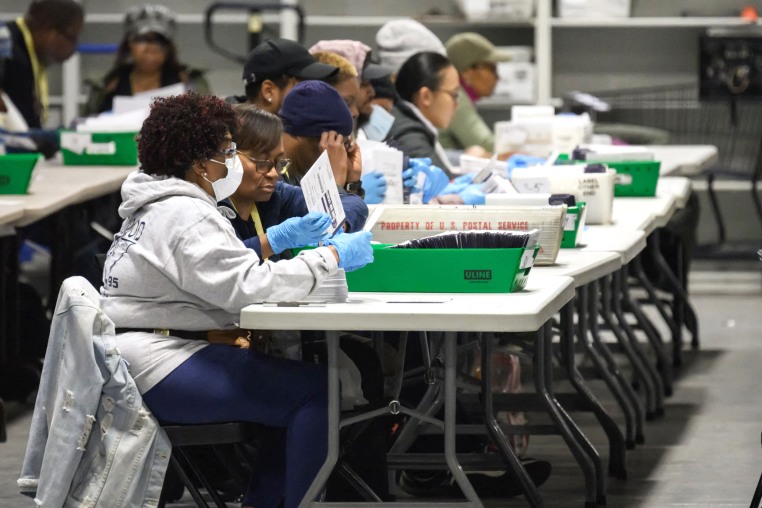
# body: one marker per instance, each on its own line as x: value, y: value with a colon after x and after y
x: 635, y: 178
x: 99, y: 148
x: 16, y: 172
x: 444, y: 270
x: 572, y: 224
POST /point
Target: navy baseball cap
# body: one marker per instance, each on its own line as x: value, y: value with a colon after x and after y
x: 314, y: 107
x: 276, y: 57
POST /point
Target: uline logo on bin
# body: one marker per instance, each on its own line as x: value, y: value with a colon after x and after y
x: 477, y: 275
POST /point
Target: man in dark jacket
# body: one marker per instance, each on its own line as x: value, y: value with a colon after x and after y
x: 46, y: 35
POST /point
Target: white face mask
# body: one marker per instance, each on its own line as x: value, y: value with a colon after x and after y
x: 225, y: 187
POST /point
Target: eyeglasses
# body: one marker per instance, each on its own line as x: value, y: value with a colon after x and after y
x: 452, y: 93
x: 264, y: 166
x: 227, y: 152
x: 230, y: 151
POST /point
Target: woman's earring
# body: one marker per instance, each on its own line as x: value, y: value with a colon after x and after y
x: 269, y: 99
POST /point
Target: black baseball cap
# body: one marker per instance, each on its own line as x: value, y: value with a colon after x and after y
x: 276, y: 57
x: 373, y: 71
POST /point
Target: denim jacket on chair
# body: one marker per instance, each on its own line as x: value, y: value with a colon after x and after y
x: 92, y: 441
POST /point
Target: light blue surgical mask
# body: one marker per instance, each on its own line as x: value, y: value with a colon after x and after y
x: 379, y: 124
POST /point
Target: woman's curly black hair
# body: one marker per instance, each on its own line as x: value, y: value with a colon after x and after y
x: 181, y: 130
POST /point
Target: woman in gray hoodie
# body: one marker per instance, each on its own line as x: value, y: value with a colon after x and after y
x: 176, y: 270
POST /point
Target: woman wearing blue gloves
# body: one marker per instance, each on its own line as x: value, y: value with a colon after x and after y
x: 427, y: 84
x: 428, y: 87
x: 268, y: 214
x: 176, y: 272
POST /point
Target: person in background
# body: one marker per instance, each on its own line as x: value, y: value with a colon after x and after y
x: 176, y: 265
x: 263, y: 203
x: 346, y: 81
x: 427, y: 84
x: 476, y: 60
x: 400, y: 39
x: 315, y: 119
x: 360, y: 56
x: 146, y: 59
x: 274, y: 67
x: 384, y: 94
x: 46, y: 35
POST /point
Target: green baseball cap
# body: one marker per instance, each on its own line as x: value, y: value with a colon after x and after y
x: 469, y: 48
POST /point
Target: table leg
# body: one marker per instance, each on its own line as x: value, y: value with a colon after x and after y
x: 450, y: 388
x: 603, y: 350
x: 681, y: 305
x: 619, y: 288
x: 639, y: 368
x: 429, y: 405
x: 663, y: 363
x: 653, y: 297
x: 578, y: 444
x: 496, y: 433
x: 334, y: 416
x: 616, y: 440
x: 630, y: 418
x: 691, y: 321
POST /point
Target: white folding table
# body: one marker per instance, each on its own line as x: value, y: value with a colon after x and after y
x: 525, y: 311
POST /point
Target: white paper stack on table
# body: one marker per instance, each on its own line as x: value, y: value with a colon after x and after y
x: 536, y: 130
x: 333, y: 290
x: 380, y: 157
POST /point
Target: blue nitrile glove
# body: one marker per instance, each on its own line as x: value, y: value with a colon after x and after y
x: 519, y: 160
x: 472, y: 195
x: 458, y: 184
x: 374, y: 184
x: 436, y: 178
x: 354, y: 249
x: 409, y: 177
x: 298, y: 231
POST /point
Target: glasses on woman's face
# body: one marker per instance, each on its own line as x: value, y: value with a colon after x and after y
x: 227, y: 152
x: 264, y: 166
x: 452, y: 93
x: 230, y: 151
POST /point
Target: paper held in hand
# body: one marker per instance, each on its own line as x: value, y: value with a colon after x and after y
x: 321, y: 192
x: 378, y: 156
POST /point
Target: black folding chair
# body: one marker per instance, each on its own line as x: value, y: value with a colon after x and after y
x: 217, y: 437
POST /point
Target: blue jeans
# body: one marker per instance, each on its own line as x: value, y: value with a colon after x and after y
x: 223, y: 383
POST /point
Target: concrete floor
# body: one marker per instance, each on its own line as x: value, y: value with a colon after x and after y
x: 705, y: 452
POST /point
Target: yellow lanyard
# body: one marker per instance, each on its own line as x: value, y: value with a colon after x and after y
x: 258, y: 228
x: 39, y: 71
x: 257, y: 221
